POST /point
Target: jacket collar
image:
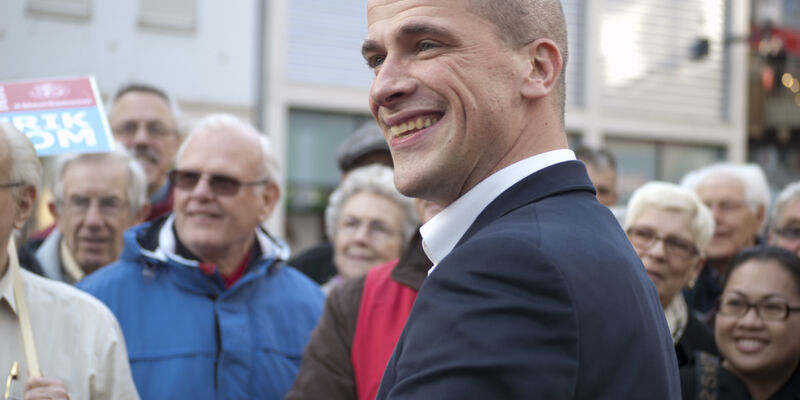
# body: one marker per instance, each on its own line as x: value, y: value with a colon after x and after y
x: 559, y: 178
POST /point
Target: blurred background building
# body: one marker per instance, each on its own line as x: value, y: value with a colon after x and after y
x: 665, y: 86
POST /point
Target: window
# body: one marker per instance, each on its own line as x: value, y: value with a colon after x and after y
x: 169, y: 14
x: 68, y: 8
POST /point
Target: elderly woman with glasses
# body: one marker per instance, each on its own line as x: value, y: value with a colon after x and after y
x: 368, y: 221
x: 670, y: 228
x: 757, y: 331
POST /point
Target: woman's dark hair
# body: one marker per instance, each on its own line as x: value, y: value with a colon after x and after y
x: 785, y: 258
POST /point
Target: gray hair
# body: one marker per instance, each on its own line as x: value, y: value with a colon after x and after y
x: 221, y: 122
x: 25, y: 165
x: 174, y: 109
x: 374, y: 178
x: 137, y: 178
x: 671, y: 197
x: 751, y: 176
x: 787, y: 195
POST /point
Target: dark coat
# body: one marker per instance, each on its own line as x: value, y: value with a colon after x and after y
x: 543, y: 297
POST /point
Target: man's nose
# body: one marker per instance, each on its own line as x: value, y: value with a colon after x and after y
x: 392, y: 83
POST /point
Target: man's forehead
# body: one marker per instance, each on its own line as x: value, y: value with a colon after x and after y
x: 136, y: 105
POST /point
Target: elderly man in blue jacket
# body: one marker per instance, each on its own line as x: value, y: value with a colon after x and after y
x: 208, y: 308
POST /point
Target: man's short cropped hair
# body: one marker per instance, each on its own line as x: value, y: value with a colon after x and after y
x: 174, y: 109
x: 520, y: 22
x: 136, y: 191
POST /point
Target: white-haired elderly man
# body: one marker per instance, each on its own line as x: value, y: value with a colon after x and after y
x: 96, y: 198
x: 784, y: 221
x: 81, y: 352
x: 738, y: 196
x: 144, y: 118
x: 207, y: 305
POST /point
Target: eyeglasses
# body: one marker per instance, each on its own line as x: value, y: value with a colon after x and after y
x: 645, y: 238
x: 376, y: 229
x: 726, y: 206
x: 791, y: 232
x: 10, y: 185
x: 109, y: 206
x: 769, y: 309
x: 154, y: 129
x: 221, y: 185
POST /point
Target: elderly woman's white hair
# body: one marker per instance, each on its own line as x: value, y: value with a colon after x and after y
x: 222, y: 122
x: 137, y: 182
x: 671, y: 197
x: 372, y: 178
x: 751, y: 176
x: 25, y: 165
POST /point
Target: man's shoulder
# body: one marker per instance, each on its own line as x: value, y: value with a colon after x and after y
x: 49, y: 294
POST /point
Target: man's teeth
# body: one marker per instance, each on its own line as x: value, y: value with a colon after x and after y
x: 419, y: 123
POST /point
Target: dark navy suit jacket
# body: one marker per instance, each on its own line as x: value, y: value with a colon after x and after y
x: 542, y: 298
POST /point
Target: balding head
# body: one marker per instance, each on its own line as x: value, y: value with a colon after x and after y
x: 225, y: 186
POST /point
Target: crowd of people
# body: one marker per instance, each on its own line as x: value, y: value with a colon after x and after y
x: 471, y: 253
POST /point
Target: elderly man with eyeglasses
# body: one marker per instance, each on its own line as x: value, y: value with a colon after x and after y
x: 207, y: 304
x: 96, y: 198
x: 738, y: 197
x: 81, y: 352
x: 144, y: 118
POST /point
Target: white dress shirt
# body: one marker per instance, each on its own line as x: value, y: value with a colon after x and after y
x: 78, y: 340
x: 441, y: 234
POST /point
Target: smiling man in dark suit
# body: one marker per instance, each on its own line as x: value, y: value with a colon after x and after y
x: 535, y: 291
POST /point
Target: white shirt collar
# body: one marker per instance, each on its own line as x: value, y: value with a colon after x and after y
x: 7, y: 289
x: 442, y: 232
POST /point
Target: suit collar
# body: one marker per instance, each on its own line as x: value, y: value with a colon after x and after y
x: 559, y: 178
x: 441, y: 234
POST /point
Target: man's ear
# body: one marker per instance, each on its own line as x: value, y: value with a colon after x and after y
x: 53, y: 208
x: 545, y: 65
x: 270, y: 197
x: 25, y: 203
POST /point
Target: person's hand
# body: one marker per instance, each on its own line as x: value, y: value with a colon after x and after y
x: 42, y: 388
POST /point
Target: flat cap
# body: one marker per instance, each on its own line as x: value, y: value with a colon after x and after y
x: 367, y: 139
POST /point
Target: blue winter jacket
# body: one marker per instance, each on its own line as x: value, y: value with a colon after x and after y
x: 188, y: 337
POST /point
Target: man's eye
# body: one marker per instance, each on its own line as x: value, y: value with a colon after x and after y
x: 375, y: 61
x: 423, y: 46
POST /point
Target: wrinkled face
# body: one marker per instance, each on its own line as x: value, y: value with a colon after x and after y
x: 736, y: 224
x: 369, y: 232
x: 668, y: 270
x: 143, y: 123
x: 211, y: 223
x: 13, y: 212
x: 751, y: 346
x: 789, y: 226
x: 605, y: 183
x: 95, y: 211
x: 446, y: 91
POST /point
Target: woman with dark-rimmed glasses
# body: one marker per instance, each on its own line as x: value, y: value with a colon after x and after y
x: 757, y: 331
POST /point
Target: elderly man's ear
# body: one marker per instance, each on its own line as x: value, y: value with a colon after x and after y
x: 270, y: 196
x: 25, y: 203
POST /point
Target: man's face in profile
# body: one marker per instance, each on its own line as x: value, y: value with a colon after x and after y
x: 437, y: 96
